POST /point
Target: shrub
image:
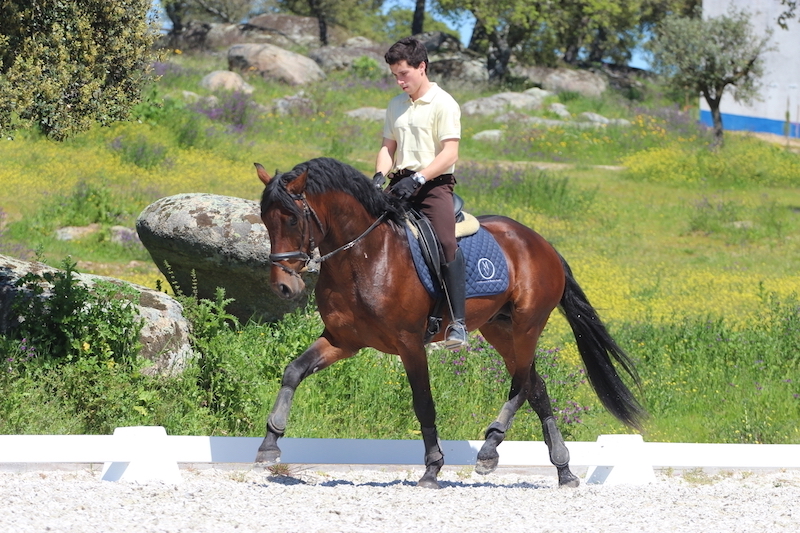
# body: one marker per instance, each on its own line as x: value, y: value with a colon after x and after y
x: 62, y: 320
x: 67, y: 64
x: 367, y: 68
x: 743, y: 162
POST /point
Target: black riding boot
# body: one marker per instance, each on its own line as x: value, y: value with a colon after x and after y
x: 455, y: 285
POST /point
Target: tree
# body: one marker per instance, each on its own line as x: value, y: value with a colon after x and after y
x: 176, y: 11
x: 230, y: 11
x: 786, y: 16
x: 396, y: 24
x: 349, y: 14
x: 707, y: 56
x: 419, y: 17
x: 500, y: 27
x: 66, y: 64
x: 543, y: 32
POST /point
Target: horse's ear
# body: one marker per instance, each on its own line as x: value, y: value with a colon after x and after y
x: 298, y: 185
x: 262, y: 174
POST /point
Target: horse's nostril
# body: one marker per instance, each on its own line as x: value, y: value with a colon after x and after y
x: 285, y: 291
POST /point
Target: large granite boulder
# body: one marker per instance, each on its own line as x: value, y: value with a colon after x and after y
x: 274, y: 63
x: 208, y: 241
x: 286, y: 31
x: 225, y: 80
x: 164, y: 337
x: 557, y: 80
x: 343, y: 57
x: 291, y: 30
x: 450, y: 61
x: 500, y: 102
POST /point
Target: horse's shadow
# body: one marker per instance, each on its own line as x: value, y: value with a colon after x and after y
x: 289, y: 480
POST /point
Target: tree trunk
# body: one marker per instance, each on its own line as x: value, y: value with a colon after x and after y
x: 315, y: 6
x: 175, y: 12
x: 498, y: 56
x: 598, y: 47
x: 419, y: 17
x: 716, y: 117
x: 478, y: 37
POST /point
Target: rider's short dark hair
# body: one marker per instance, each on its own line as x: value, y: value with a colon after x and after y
x: 409, y: 49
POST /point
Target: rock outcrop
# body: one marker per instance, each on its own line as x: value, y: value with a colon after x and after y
x: 274, y: 63
x: 205, y: 241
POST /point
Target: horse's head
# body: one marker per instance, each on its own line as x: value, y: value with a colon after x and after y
x: 289, y: 221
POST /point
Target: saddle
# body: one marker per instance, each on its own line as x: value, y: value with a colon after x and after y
x: 479, y: 248
x: 421, y: 229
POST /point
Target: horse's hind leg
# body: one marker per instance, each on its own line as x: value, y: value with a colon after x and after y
x: 499, y: 335
x: 559, y: 455
x: 488, y: 458
x: 318, y: 356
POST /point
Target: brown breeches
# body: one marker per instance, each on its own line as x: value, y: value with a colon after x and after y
x: 435, y: 201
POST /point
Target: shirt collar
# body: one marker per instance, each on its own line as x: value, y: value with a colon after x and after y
x: 428, y: 96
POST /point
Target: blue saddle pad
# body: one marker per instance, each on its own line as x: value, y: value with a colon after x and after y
x: 486, y: 267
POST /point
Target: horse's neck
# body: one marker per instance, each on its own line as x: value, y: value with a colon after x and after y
x: 344, y: 222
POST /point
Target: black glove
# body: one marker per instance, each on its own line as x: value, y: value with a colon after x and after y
x: 404, y: 188
x: 378, y: 180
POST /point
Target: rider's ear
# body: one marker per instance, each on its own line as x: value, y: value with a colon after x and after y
x: 262, y: 174
x: 298, y: 185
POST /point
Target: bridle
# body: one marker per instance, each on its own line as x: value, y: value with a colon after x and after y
x: 312, y: 260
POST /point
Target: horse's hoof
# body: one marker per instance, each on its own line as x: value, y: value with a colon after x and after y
x: 567, y: 479
x: 486, y: 466
x: 428, y: 483
x: 269, y: 456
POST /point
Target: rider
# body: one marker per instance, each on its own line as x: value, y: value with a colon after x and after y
x: 420, y: 148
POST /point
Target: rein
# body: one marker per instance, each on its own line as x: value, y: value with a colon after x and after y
x: 313, y: 262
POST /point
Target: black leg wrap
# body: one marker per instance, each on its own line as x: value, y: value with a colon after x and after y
x: 559, y: 455
x: 272, y: 429
x: 280, y: 411
x: 433, y: 452
x: 434, y: 459
x: 497, y: 427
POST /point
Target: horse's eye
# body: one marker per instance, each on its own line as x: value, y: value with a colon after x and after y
x: 292, y: 221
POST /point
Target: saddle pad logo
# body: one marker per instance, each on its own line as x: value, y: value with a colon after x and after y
x: 486, y: 268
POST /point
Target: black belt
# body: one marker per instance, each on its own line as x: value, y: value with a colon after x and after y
x: 402, y: 173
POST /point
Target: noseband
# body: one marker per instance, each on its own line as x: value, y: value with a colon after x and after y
x: 312, y: 262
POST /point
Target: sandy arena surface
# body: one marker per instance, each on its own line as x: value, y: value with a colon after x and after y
x: 320, y: 498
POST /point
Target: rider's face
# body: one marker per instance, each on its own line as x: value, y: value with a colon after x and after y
x: 410, y: 79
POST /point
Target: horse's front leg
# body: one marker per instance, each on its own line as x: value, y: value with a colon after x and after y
x: 416, y: 366
x: 319, y: 355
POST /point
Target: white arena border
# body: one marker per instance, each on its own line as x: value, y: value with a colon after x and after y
x: 147, y: 453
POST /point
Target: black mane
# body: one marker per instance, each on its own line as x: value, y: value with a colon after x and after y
x: 327, y: 174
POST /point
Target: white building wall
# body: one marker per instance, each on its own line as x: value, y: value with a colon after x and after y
x: 780, y: 85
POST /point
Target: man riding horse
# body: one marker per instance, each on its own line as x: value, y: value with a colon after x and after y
x: 419, y: 152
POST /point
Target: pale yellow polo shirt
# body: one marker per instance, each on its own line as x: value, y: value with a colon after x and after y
x: 420, y: 126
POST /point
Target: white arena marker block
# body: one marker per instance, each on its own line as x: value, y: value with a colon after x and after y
x: 621, y: 460
x: 149, y: 456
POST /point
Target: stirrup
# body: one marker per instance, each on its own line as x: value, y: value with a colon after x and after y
x: 455, y: 336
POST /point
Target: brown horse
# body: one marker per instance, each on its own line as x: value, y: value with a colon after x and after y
x: 369, y: 296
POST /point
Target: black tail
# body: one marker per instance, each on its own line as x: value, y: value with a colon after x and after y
x: 595, y: 346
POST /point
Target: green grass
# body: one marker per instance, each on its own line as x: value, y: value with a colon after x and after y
x: 691, y: 257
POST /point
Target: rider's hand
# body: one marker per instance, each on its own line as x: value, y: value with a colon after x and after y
x: 404, y: 188
x: 378, y: 180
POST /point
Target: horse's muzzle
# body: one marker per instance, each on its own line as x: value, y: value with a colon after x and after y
x: 286, y: 286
